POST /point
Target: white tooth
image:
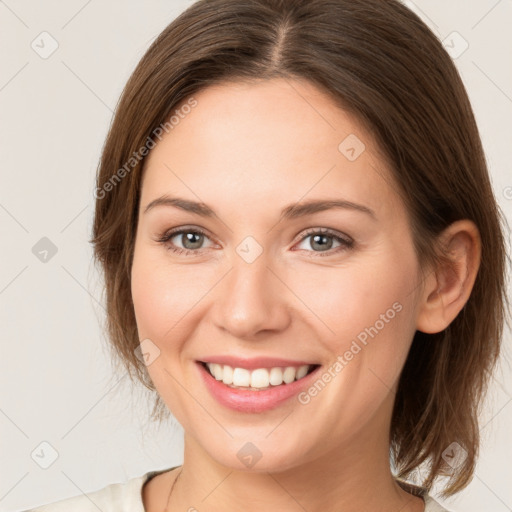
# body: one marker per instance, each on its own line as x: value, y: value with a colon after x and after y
x: 276, y: 376
x: 227, y: 376
x: 259, y: 378
x: 241, y: 377
x: 302, y: 371
x: 289, y: 374
x: 217, y: 371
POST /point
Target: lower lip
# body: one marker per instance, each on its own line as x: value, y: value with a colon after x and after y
x: 244, y: 400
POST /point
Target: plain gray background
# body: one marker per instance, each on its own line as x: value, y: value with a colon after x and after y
x: 57, y: 385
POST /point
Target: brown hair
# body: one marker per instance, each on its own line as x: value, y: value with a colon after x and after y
x: 379, y: 61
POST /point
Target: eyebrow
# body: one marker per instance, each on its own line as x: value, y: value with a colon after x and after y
x: 291, y: 211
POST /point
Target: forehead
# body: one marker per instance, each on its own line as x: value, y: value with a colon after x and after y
x: 268, y: 143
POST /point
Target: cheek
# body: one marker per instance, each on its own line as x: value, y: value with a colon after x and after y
x: 161, y: 299
x: 148, y: 293
x: 377, y: 329
x: 370, y: 308
x: 366, y: 310
x: 352, y: 297
x: 162, y: 294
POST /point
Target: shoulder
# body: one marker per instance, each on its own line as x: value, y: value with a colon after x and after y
x: 431, y: 505
x: 107, y: 499
x: 126, y: 496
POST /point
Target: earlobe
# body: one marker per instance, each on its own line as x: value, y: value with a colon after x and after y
x: 449, y: 286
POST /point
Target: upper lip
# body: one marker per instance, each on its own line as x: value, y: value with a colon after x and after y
x: 254, y: 362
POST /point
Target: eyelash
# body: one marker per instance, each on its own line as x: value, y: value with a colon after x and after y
x: 345, y: 243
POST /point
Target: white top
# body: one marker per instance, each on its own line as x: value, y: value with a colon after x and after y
x: 127, y: 497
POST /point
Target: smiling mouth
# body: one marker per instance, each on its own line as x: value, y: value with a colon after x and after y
x: 258, y: 379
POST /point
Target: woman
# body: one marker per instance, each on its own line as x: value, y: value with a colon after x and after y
x: 303, y: 258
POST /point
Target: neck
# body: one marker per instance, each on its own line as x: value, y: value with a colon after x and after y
x: 351, y: 478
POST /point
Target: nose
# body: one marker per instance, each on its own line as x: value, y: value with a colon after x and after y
x: 251, y: 299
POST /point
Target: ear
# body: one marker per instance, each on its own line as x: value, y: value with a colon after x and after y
x: 448, y: 287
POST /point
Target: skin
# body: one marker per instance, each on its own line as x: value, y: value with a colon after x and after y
x: 247, y: 151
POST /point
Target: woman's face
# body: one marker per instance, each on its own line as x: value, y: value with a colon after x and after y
x: 262, y: 282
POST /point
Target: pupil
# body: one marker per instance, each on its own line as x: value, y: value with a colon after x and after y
x: 189, y: 238
x: 323, y: 238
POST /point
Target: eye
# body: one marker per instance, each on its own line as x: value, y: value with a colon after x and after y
x: 193, y: 238
x: 320, y: 239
